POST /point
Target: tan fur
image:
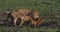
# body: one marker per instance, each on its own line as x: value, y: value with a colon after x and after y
x: 35, y: 14
x: 19, y: 13
x: 15, y: 16
x: 25, y: 19
x: 36, y: 22
x: 32, y: 19
x: 39, y: 21
x: 22, y: 13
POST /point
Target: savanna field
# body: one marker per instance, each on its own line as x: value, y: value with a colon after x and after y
x: 49, y: 11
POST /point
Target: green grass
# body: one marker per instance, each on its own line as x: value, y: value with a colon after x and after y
x: 49, y: 8
x: 27, y: 29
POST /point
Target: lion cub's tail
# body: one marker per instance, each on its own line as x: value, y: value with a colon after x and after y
x: 9, y: 14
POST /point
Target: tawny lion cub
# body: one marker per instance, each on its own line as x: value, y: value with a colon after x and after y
x: 34, y: 22
x: 35, y: 14
x: 37, y: 22
x: 18, y: 14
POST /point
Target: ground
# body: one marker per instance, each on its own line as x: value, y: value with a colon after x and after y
x: 49, y: 10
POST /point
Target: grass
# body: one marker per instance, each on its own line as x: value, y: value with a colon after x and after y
x: 50, y: 8
x: 27, y: 29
